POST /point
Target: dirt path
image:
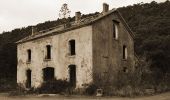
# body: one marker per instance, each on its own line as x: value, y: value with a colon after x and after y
x: 164, y: 96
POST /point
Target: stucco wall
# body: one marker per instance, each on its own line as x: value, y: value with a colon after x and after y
x: 60, y: 57
x: 108, y: 52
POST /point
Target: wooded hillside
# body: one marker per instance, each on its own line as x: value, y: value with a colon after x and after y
x: 150, y: 22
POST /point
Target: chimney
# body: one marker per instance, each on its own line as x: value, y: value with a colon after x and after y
x: 32, y: 30
x: 105, y: 8
x: 77, y: 17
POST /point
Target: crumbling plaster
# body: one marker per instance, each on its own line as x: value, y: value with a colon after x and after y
x: 60, y: 57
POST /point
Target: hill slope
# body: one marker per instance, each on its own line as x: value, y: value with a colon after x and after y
x: 151, y: 25
x: 150, y: 22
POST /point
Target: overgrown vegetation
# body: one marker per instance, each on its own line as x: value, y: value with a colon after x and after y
x: 91, y: 89
x: 54, y: 86
x: 141, y: 81
x: 48, y: 87
x: 151, y: 24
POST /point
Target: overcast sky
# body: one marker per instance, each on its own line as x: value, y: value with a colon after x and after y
x: 21, y: 13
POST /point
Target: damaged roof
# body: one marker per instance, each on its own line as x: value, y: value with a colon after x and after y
x: 73, y: 25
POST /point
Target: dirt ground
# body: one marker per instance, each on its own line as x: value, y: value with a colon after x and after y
x: 163, y: 96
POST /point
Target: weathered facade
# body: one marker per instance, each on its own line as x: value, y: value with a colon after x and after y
x: 81, y: 54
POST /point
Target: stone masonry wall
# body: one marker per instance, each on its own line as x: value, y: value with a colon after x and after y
x: 108, y: 51
x: 60, y: 57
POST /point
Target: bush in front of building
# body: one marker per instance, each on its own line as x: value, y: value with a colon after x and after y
x: 54, y: 86
x: 130, y: 83
x: 91, y: 89
x: 6, y: 85
x: 124, y: 83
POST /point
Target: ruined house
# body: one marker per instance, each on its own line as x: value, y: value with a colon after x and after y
x: 83, y: 53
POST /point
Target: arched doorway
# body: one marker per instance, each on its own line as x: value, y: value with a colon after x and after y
x: 72, y: 75
x: 28, y: 80
x: 48, y: 74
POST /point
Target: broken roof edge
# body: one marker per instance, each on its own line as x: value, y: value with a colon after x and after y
x: 30, y: 38
x: 126, y: 25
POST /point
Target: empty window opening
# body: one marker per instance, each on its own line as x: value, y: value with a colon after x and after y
x: 48, y: 74
x: 28, y: 80
x: 124, y: 52
x: 125, y: 69
x: 48, y: 56
x: 115, y: 30
x: 29, y: 55
x: 72, y: 47
x: 72, y: 75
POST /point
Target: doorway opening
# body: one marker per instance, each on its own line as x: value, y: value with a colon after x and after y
x: 48, y: 74
x: 72, y: 75
x: 28, y: 81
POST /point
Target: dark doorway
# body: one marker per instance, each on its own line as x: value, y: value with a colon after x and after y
x: 72, y: 47
x: 72, y: 75
x: 48, y: 74
x: 28, y: 81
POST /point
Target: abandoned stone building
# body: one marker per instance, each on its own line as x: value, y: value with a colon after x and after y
x: 82, y: 53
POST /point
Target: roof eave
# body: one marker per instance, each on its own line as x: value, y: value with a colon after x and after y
x: 126, y: 25
x: 54, y: 33
x: 79, y: 26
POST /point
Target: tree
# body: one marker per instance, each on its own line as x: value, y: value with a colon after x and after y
x: 64, y: 12
x: 65, y: 15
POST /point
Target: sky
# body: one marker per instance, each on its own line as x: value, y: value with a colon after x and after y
x: 23, y: 13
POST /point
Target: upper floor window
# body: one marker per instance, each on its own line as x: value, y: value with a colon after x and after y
x: 72, y: 46
x: 125, y: 52
x: 115, y: 30
x: 48, y: 55
x: 28, y: 55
